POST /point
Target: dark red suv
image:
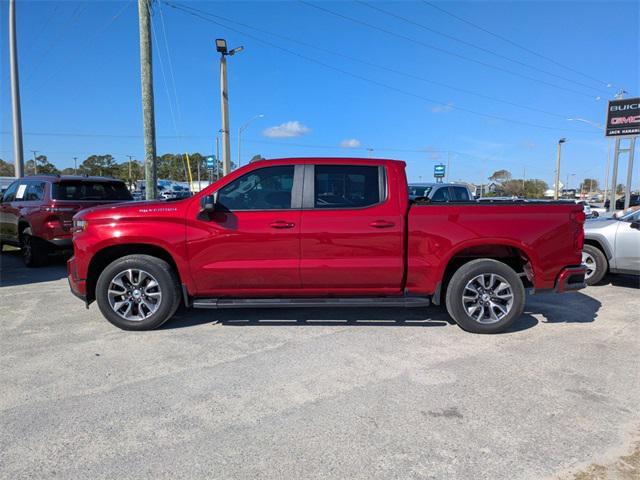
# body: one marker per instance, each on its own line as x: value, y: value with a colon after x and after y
x: 36, y: 212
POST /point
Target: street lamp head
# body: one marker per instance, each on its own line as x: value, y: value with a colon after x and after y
x: 221, y: 46
x: 236, y: 50
x: 562, y: 140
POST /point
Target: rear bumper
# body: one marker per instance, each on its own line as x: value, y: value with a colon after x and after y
x: 77, y: 285
x: 571, y: 278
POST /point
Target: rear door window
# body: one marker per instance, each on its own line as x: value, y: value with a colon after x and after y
x: 460, y: 194
x: 441, y: 195
x: 346, y: 186
x: 35, y: 192
x: 76, y: 190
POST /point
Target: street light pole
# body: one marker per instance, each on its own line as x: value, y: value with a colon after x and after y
x: 18, y: 152
x: 75, y: 165
x: 221, y: 47
x: 557, y: 186
x: 35, y: 167
x: 240, y: 130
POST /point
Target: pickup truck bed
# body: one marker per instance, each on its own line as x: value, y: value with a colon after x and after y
x: 315, y: 232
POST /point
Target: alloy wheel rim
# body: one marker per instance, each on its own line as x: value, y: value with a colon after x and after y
x: 487, y: 298
x: 590, y: 262
x: 134, y: 294
x: 26, y: 247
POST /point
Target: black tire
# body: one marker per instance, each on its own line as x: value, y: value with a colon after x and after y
x: 458, y: 287
x: 35, y: 252
x: 163, y: 274
x: 595, y: 259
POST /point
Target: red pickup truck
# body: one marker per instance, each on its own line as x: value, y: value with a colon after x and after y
x: 303, y: 232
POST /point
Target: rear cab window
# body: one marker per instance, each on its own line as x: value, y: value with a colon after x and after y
x: 79, y: 190
x: 347, y: 186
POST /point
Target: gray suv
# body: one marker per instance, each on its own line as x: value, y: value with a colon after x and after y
x: 612, y: 245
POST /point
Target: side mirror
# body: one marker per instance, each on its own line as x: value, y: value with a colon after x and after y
x: 635, y: 225
x: 209, y: 202
x: 423, y: 199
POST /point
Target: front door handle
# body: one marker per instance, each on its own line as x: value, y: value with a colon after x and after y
x: 282, y: 224
x: 381, y: 224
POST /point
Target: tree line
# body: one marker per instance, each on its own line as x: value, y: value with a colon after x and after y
x: 171, y: 166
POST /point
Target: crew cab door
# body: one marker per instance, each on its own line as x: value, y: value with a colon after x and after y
x: 352, y: 231
x: 250, y: 244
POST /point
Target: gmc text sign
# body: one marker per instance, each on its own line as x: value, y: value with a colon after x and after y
x: 623, y: 117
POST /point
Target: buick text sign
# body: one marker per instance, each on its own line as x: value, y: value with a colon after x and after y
x: 623, y: 117
x: 438, y: 171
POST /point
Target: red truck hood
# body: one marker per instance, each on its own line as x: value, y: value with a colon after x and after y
x: 115, y: 211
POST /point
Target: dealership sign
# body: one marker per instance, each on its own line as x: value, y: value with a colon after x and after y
x: 623, y: 117
x: 438, y: 171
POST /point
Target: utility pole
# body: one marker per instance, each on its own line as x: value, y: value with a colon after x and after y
x: 448, y: 165
x: 221, y: 48
x: 35, y: 167
x: 217, y: 157
x: 18, y: 152
x: 148, y: 116
x: 75, y: 165
x: 130, y: 178
x: 557, y: 185
x: 240, y: 130
x: 524, y: 177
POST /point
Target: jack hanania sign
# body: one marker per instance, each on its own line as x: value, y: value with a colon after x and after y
x: 623, y: 117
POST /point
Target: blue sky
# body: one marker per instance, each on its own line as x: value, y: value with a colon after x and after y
x: 444, y: 86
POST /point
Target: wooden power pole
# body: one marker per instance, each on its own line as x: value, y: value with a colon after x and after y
x: 148, y: 116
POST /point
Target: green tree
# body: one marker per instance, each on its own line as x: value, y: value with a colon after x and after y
x: 589, y: 185
x: 500, y: 176
x: 532, y: 188
x: 620, y: 189
x: 130, y: 172
x: 101, y: 165
x: 40, y: 165
x: 6, y: 169
x: 68, y: 171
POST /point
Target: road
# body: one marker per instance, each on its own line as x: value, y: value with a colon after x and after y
x: 289, y: 394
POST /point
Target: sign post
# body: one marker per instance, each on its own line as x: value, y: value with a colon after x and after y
x: 439, y: 172
x: 623, y: 123
x: 211, y: 162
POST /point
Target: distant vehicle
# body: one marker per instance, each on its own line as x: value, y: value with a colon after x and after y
x: 174, y: 192
x: 597, y: 210
x: 440, y: 192
x: 586, y: 208
x: 634, y: 202
x: 612, y: 245
x: 36, y: 212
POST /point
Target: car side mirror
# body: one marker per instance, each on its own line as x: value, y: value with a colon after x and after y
x: 635, y: 225
x: 209, y: 202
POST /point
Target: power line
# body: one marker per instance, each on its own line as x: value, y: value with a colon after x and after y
x: 366, y: 79
x: 511, y: 42
x: 381, y: 67
x: 473, y: 45
x: 442, y: 50
x: 72, y: 58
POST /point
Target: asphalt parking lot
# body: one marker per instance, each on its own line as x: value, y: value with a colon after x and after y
x: 286, y: 394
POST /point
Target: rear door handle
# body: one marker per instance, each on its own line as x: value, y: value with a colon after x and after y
x: 282, y: 224
x: 381, y: 224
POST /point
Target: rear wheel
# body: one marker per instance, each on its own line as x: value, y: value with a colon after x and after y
x: 485, y: 296
x: 596, y: 263
x: 138, y: 292
x: 35, y: 252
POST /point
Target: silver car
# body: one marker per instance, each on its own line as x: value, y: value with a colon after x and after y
x: 612, y: 245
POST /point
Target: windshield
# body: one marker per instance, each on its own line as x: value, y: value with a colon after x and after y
x: 87, y: 190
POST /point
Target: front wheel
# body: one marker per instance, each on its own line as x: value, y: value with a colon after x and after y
x: 138, y: 292
x: 485, y: 296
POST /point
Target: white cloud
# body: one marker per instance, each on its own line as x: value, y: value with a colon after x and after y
x: 442, y: 108
x: 285, y: 130
x: 350, y: 143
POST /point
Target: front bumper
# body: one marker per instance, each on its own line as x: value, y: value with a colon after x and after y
x: 77, y: 285
x: 571, y: 278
